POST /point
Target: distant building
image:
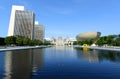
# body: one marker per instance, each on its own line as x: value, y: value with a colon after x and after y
x: 60, y: 41
x: 21, y: 23
x: 67, y: 40
x: 53, y: 40
x: 38, y: 32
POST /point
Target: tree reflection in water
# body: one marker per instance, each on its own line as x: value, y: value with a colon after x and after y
x: 112, y: 56
x: 93, y: 55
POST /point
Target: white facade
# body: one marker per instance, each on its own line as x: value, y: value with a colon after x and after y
x: 21, y: 23
x: 12, y: 19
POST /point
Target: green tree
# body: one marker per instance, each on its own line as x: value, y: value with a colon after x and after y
x: 80, y: 43
x: 10, y: 40
x: 89, y: 42
x: 118, y: 35
x: 99, y: 42
x: 31, y: 42
x: 36, y: 42
x: 110, y: 39
x: 47, y: 43
x: 2, y: 41
x: 117, y: 41
x: 40, y: 42
x: 75, y: 43
x: 19, y: 41
x: 102, y: 40
x: 26, y: 41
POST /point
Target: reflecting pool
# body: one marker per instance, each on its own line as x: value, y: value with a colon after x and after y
x: 59, y: 63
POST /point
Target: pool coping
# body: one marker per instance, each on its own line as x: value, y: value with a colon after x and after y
x: 21, y: 47
x: 101, y: 48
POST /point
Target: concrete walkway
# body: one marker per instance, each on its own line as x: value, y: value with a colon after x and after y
x: 21, y: 47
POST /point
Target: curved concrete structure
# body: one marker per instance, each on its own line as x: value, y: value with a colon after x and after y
x: 88, y: 35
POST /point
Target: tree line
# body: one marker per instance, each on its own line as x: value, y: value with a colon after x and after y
x: 110, y: 40
x: 2, y: 41
x: 12, y: 40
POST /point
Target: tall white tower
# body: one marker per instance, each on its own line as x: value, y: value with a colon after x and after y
x: 21, y: 23
x: 12, y: 19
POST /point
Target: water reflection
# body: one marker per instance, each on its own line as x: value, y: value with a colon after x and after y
x: 92, y: 55
x: 59, y: 63
x: 59, y: 53
x: 2, y: 55
x: 85, y: 49
x: 87, y: 54
x: 68, y: 63
x: 110, y: 55
x: 21, y: 64
x: 18, y: 64
x: 38, y: 59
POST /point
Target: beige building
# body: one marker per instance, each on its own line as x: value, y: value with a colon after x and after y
x: 38, y: 32
x: 88, y: 35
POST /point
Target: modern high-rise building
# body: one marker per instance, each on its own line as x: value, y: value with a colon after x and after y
x: 21, y: 23
x: 38, y: 32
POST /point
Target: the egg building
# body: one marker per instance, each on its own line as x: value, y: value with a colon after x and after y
x: 88, y: 36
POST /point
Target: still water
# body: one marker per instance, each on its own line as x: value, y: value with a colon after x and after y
x: 59, y: 63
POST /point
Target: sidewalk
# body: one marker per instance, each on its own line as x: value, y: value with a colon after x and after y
x: 21, y: 47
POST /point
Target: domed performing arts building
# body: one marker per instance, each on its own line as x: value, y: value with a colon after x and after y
x: 88, y: 36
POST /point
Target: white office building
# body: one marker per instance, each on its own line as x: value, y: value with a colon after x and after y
x: 21, y: 23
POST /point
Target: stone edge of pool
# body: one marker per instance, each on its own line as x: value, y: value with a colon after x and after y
x: 22, y: 47
x: 101, y: 48
x: 31, y: 47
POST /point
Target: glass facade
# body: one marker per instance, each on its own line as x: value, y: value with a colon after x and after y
x: 24, y: 24
x: 39, y: 32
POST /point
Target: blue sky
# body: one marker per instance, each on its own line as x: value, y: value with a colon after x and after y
x: 67, y: 17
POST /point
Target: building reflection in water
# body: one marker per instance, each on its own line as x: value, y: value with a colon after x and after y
x: 38, y: 59
x: 87, y: 54
x: 93, y: 55
x: 60, y: 52
x: 19, y: 63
